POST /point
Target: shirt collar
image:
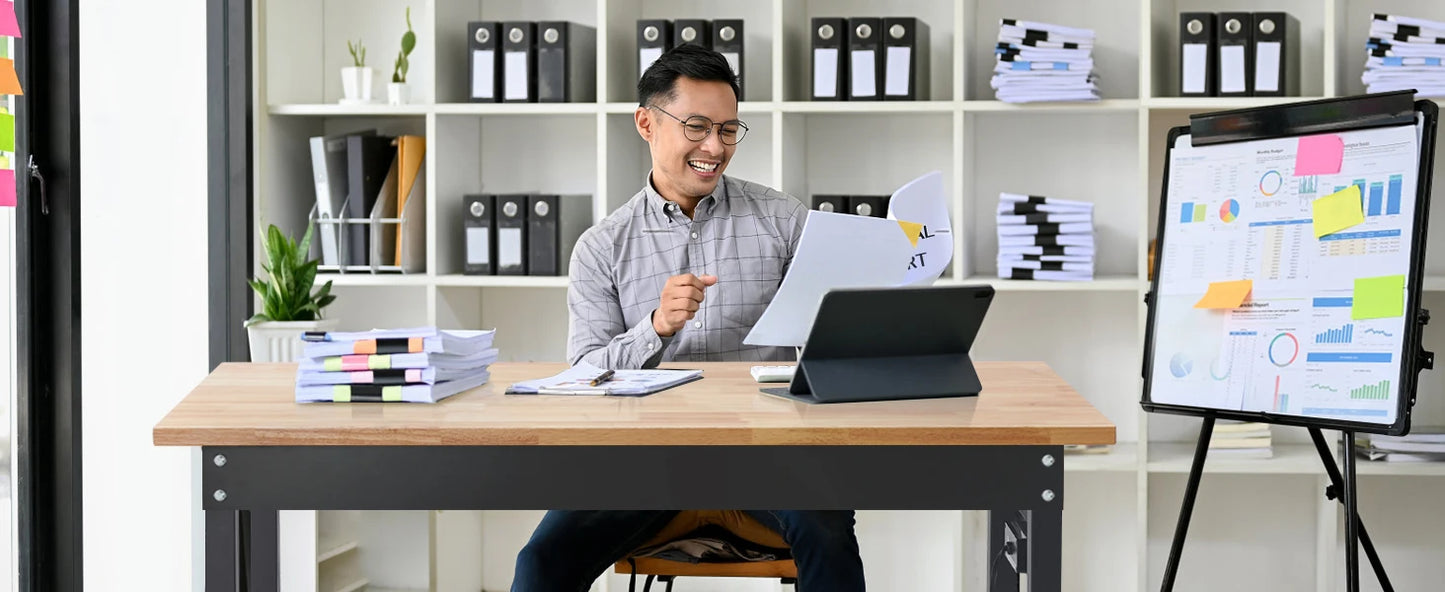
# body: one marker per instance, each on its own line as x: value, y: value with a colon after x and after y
x: 718, y: 195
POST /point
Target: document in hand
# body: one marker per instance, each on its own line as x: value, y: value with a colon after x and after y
x: 628, y: 383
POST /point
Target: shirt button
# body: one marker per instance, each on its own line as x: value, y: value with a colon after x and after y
x: 649, y: 346
x: 697, y: 325
x: 694, y: 236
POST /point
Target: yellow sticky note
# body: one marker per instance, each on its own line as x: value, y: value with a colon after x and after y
x: 1225, y: 294
x: 1379, y: 297
x: 1338, y: 211
x: 912, y: 229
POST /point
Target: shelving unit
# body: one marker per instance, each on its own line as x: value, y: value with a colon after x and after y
x: 1109, y: 152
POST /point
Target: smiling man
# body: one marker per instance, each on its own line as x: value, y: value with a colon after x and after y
x: 682, y: 271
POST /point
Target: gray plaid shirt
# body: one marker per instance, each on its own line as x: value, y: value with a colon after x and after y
x: 744, y: 233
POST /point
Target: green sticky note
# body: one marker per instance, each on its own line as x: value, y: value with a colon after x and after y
x: 391, y: 393
x: 340, y: 393
x: 1379, y: 297
x: 7, y: 132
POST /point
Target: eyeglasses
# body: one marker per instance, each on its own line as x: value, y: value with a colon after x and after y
x: 697, y: 128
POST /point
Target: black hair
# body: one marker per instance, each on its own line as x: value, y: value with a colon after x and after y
x: 659, y: 82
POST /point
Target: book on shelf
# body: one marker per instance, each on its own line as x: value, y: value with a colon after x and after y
x: 1241, y: 439
x: 1424, y: 444
x: 370, y: 202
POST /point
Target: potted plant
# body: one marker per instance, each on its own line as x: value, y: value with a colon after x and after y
x: 398, y: 93
x: 288, y: 305
x: 356, y: 78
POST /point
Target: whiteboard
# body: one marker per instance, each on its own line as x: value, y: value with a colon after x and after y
x: 1292, y: 350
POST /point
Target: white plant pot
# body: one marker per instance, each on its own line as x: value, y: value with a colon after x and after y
x: 280, y: 341
x: 398, y: 93
x: 355, y: 85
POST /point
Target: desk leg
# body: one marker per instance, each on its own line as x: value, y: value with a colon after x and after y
x: 1046, y: 550
x: 241, y: 551
x: 1001, y: 576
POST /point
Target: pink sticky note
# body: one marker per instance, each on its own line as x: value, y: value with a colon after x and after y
x: 7, y: 188
x: 8, y: 25
x: 1319, y: 155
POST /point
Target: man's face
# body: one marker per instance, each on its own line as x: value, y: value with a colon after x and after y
x: 682, y: 167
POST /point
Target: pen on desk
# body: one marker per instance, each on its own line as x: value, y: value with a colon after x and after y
x: 601, y: 378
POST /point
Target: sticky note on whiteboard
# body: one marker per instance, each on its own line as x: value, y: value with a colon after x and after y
x: 1319, y: 155
x: 1227, y: 295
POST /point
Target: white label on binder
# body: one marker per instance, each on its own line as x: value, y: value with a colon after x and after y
x: 516, y: 71
x: 477, y: 251
x: 732, y: 58
x: 1231, y: 68
x: 897, y: 71
x: 509, y: 247
x: 825, y: 71
x: 864, y: 73
x: 1196, y: 64
x: 1266, y: 66
x: 484, y: 78
x: 645, y: 57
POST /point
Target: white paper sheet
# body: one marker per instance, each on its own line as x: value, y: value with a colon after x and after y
x: 478, y: 251
x: 897, y: 71
x: 484, y: 75
x: 923, y: 201
x: 1196, y: 64
x: 825, y: 72
x: 516, y: 73
x: 732, y: 58
x: 835, y: 251
x: 509, y: 247
x: 1266, y: 66
x: 1231, y: 68
x: 865, y: 71
x: 645, y: 57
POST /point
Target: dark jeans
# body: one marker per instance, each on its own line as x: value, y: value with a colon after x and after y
x: 570, y: 549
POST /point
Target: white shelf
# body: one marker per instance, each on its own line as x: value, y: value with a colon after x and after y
x: 868, y: 106
x: 333, y: 551
x: 337, y: 110
x: 1123, y: 457
x: 1100, y: 284
x: 501, y: 281
x: 1289, y: 459
x: 1106, y: 105
x: 744, y: 107
x: 1219, y: 103
x: 515, y: 108
x: 1418, y: 469
x: 341, y: 280
x: 354, y: 586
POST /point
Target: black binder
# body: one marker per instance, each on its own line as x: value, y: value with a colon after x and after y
x: 1198, y: 54
x: 831, y: 203
x: 861, y: 349
x: 695, y: 31
x: 484, y: 61
x: 905, y: 43
x: 868, y: 205
x: 553, y: 224
x: 511, y: 240
x: 566, y: 63
x: 479, y: 234
x: 654, y: 38
x: 1276, y: 54
x: 519, y: 62
x: 1236, y: 54
x: 727, y: 39
x: 368, y: 160
x: 865, y: 59
x: 830, y: 59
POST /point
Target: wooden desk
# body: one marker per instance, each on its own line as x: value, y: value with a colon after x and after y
x: 715, y: 443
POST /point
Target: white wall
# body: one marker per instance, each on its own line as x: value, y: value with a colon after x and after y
x: 143, y: 286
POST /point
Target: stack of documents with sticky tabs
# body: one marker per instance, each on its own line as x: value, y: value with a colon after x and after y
x: 1405, y: 53
x: 422, y: 365
x: 1043, y: 62
x: 1240, y: 439
x: 1420, y: 445
x: 1045, y: 238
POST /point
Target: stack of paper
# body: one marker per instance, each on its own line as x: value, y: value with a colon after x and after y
x: 1044, y: 62
x: 422, y: 365
x: 1405, y: 53
x: 1420, y: 445
x: 1240, y: 439
x: 1044, y: 238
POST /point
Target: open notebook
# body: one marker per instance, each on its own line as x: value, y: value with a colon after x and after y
x: 576, y: 381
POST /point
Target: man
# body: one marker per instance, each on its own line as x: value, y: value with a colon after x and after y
x: 682, y: 271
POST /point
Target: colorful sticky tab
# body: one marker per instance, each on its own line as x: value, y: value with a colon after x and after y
x: 1379, y: 297
x: 1225, y: 294
x: 9, y: 25
x: 1338, y: 211
x: 7, y: 188
x: 7, y: 132
x: 912, y: 230
x: 9, y: 81
x: 1319, y: 155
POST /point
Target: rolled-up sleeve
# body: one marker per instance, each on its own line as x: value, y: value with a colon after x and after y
x: 597, y: 333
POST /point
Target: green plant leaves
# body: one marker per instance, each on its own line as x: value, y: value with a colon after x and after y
x: 287, y: 296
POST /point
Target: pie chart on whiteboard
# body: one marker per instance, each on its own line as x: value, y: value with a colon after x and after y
x: 1229, y: 211
x: 1180, y: 365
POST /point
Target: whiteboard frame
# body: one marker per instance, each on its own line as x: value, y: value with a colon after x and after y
x: 1412, y: 356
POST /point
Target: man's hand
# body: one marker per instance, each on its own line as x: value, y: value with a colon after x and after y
x: 681, y: 297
